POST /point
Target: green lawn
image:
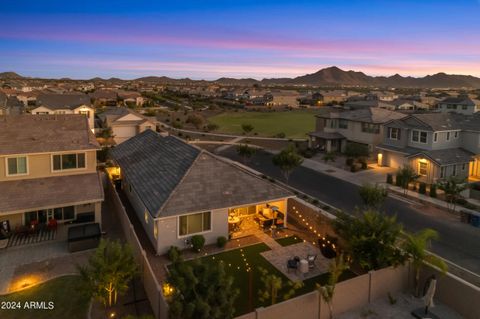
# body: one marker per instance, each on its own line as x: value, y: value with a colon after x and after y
x: 63, y: 292
x: 290, y: 240
x: 235, y: 266
x: 295, y: 124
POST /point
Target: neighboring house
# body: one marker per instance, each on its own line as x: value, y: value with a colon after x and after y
x: 335, y: 127
x: 69, y: 103
x: 131, y: 98
x: 178, y: 190
x: 10, y: 105
x: 125, y: 123
x: 436, y: 145
x: 404, y: 104
x: 461, y: 104
x: 48, y: 170
x: 369, y: 103
x: 104, y: 97
x: 284, y: 99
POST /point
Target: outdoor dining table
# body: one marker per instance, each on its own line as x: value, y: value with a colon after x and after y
x: 233, y: 221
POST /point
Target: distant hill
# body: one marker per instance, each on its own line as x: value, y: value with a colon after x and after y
x: 331, y: 76
x: 10, y: 76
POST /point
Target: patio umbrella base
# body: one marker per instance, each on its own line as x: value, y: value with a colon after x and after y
x: 420, y: 314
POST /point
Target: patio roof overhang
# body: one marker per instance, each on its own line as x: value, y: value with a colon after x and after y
x: 327, y: 136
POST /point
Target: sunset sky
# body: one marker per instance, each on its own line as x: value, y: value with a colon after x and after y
x: 210, y: 39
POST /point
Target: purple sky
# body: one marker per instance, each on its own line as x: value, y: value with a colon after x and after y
x: 210, y: 39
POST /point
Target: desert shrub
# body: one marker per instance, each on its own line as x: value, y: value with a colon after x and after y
x: 389, y: 179
x: 198, y: 241
x: 221, y: 241
x: 173, y: 253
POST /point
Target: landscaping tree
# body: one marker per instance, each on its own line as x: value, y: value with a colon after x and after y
x: 406, y: 174
x: 195, y: 120
x: 246, y: 152
x: 373, y: 196
x: 211, y: 127
x: 370, y: 239
x: 415, y: 246
x: 108, y: 272
x: 247, y: 128
x: 452, y: 187
x: 287, y: 160
x: 327, y: 291
x: 201, y: 291
x: 356, y: 151
x: 272, y: 285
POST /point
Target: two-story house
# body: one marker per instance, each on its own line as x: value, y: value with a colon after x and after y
x: 48, y: 171
x: 436, y: 145
x: 336, y: 127
x: 68, y: 103
x: 462, y: 104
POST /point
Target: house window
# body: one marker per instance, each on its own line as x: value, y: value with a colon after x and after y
x: 464, y: 107
x: 422, y: 168
x: 393, y: 133
x: 448, y: 136
x: 435, y: 137
x: 194, y: 223
x: 333, y: 123
x: 454, y: 172
x: 456, y: 134
x: 87, y: 113
x: 419, y: 136
x: 370, y: 128
x: 68, y: 161
x: 342, y: 124
x: 17, y: 165
x: 64, y: 213
x: 464, y: 166
x: 145, y: 216
x: 155, y: 231
x: 442, y: 172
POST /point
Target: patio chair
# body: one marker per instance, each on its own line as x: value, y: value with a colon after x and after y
x: 279, y: 220
x: 311, y: 260
x: 267, y: 224
x: 52, y: 224
x: 293, y: 263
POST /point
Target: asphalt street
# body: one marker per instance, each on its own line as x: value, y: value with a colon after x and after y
x: 459, y: 243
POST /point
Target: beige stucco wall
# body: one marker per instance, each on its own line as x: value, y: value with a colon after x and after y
x: 40, y: 165
x: 168, y: 230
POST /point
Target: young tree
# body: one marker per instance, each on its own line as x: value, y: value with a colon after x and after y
x: 273, y: 284
x: 330, y: 156
x: 356, y: 150
x: 415, y: 246
x: 246, y: 152
x: 201, y: 291
x: 327, y: 291
x: 247, y: 128
x: 373, y: 196
x: 407, y: 175
x: 370, y: 239
x: 452, y: 187
x: 195, y: 120
x: 108, y: 272
x: 287, y: 160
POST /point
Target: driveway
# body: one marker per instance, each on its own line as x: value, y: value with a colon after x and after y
x: 459, y: 243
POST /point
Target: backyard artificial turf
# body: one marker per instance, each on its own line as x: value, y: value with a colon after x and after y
x: 235, y: 265
x: 295, y: 124
x: 68, y: 302
x: 290, y: 240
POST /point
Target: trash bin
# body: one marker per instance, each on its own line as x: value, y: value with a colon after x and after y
x: 475, y: 221
x: 465, y: 217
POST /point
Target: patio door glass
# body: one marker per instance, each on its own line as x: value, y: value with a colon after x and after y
x: 42, y: 216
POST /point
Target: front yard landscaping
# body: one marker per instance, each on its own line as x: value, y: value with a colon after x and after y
x: 239, y: 260
x: 67, y: 301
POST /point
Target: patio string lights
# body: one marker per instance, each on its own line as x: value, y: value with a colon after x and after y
x: 313, y: 229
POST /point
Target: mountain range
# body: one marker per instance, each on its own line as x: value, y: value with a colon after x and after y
x: 332, y: 76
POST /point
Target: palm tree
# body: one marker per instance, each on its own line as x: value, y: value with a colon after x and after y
x: 415, y: 245
x: 326, y: 292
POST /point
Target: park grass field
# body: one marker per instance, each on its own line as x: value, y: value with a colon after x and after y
x: 295, y: 124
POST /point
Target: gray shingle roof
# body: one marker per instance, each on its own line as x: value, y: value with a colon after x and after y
x: 27, y: 194
x: 447, y: 156
x: 63, y: 101
x: 368, y: 115
x: 172, y: 177
x: 26, y: 133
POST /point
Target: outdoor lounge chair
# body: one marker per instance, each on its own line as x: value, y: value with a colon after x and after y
x: 293, y: 264
x: 311, y: 260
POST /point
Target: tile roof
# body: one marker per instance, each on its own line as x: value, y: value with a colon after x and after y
x: 368, y: 115
x: 445, y: 121
x: 172, y: 177
x: 26, y: 194
x: 63, y: 101
x: 447, y: 156
x: 462, y: 100
x: 22, y: 134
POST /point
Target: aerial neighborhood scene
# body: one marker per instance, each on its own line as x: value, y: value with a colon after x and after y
x: 240, y: 159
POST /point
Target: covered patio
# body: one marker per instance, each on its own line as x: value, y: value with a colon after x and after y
x: 328, y: 142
